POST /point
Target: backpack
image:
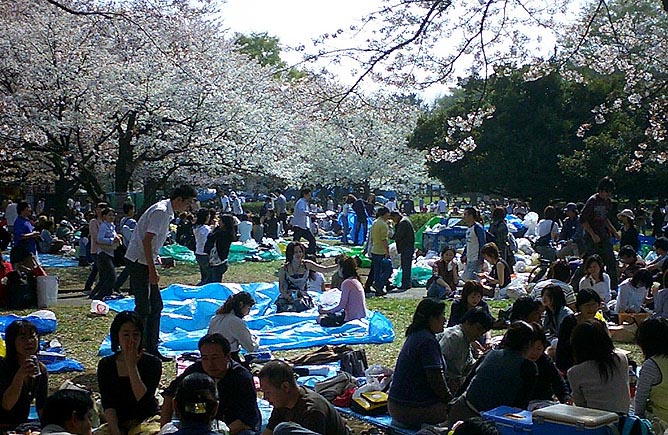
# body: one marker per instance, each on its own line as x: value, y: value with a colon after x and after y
x: 354, y: 362
x: 634, y: 425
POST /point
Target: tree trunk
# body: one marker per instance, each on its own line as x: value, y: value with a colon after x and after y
x: 125, y: 164
x: 64, y: 189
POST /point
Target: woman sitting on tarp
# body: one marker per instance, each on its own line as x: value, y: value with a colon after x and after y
x: 352, y: 304
x: 127, y: 381
x: 504, y: 376
x: 419, y: 392
x: 293, y: 279
x: 229, y: 322
x: 22, y: 377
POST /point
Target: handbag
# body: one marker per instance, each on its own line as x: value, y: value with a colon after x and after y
x: 370, y: 403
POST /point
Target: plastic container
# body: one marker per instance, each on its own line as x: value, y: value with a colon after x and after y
x: 47, y: 291
x: 510, y: 420
x: 565, y: 419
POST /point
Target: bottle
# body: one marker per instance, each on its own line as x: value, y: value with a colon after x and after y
x: 633, y: 381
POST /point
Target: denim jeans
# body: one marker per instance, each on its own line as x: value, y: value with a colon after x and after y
x: 105, y: 285
x: 148, y: 304
x: 473, y: 268
x: 382, y: 269
x: 216, y: 273
x: 298, y: 233
x: 406, y: 268
x: 203, y: 263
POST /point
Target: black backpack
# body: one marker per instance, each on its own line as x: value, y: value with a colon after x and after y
x: 21, y: 291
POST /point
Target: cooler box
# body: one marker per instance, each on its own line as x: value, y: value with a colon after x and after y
x: 565, y: 419
x: 509, y: 420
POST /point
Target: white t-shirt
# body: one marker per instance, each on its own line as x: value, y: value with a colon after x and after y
x: 317, y: 282
x: 245, y: 230
x: 630, y: 298
x: 300, y: 218
x: 201, y: 232
x: 442, y: 206
x: 155, y: 220
x: 602, y: 288
x: 544, y: 228
x: 391, y: 205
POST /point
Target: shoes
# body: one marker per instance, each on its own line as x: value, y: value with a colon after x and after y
x: 402, y: 289
x: 164, y: 358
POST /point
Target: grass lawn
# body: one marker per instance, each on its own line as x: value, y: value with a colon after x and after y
x: 81, y: 335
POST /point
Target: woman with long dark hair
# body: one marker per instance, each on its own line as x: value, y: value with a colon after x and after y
x: 128, y: 380
x: 419, y: 392
x: 600, y: 377
x: 504, y: 376
x: 293, y: 279
x: 555, y: 309
x: 218, y: 245
x: 22, y: 377
x: 229, y: 322
x: 472, y: 293
x: 352, y: 304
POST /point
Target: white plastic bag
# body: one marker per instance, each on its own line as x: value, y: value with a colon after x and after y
x: 99, y: 308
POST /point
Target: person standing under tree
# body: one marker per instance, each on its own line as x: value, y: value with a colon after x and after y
x: 142, y: 254
x: 598, y: 230
x: 300, y: 224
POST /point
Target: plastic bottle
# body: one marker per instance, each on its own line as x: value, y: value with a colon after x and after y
x: 633, y: 381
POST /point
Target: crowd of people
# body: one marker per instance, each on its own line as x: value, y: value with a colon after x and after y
x: 557, y: 347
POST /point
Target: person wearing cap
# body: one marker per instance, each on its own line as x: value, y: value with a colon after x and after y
x: 598, y: 230
x: 629, y: 231
x: 571, y: 233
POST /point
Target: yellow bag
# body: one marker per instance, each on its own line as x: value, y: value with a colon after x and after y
x: 370, y: 403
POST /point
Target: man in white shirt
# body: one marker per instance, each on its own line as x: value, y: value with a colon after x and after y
x: 300, y: 221
x: 391, y: 205
x: 237, y: 208
x: 142, y: 254
x: 442, y: 205
x: 225, y: 203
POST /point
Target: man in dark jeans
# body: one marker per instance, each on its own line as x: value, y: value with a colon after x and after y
x: 142, y: 255
x: 300, y: 222
x: 361, y: 221
x: 404, y: 237
x: 598, y: 230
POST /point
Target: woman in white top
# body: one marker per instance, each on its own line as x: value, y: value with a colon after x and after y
x: 596, y: 279
x: 633, y: 292
x: 548, y: 232
x: 229, y: 322
x: 201, y: 231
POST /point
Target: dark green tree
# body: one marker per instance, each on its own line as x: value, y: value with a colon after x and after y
x: 266, y: 51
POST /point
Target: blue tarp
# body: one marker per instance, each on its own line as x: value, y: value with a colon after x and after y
x: 51, y: 260
x: 44, y: 326
x: 188, y: 310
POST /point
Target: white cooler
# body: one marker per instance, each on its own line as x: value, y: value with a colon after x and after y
x: 565, y: 419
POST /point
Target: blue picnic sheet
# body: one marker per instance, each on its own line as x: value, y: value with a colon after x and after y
x: 188, y: 310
